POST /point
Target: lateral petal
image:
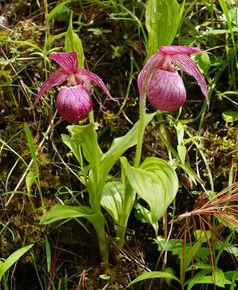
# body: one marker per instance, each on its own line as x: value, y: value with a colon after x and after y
x: 54, y: 79
x: 178, y: 49
x: 147, y: 72
x: 66, y: 60
x: 189, y: 66
x: 93, y: 77
x: 166, y: 91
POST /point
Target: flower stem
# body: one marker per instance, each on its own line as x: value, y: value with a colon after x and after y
x: 99, y: 226
x: 141, y: 131
x: 99, y: 220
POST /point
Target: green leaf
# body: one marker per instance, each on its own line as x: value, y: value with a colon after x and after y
x: 112, y: 199
x: 29, y: 180
x: 104, y: 277
x: 202, y: 236
x: 155, y: 182
x: 74, y: 43
x: 203, y: 60
x: 86, y: 137
x: 60, y: 212
x: 13, y: 258
x: 184, y: 166
x: 143, y: 214
x: 52, y: 38
x: 48, y: 255
x: 1, y: 265
x: 25, y: 43
x: 198, y: 279
x: 73, y: 146
x: 120, y: 145
x: 32, y: 149
x: 153, y: 275
x: 53, y: 13
x: 162, y: 22
x: 231, y: 275
x: 200, y: 266
x: 230, y: 116
x: 182, y: 151
x: 233, y: 15
x: 219, y: 278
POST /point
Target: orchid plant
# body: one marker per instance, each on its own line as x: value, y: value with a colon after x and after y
x: 154, y: 180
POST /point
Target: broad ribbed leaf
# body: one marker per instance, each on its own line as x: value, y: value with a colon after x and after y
x: 155, y: 182
x: 120, y: 145
x: 13, y: 258
x: 73, y: 146
x: 86, y: 137
x: 153, y: 275
x: 199, y: 278
x: 113, y: 193
x: 162, y: 22
x: 60, y: 212
x: 219, y: 278
x: 74, y: 43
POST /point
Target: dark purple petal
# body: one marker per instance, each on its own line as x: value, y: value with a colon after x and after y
x: 189, y: 66
x: 74, y: 103
x: 55, y: 79
x: 146, y: 73
x: 66, y: 60
x: 93, y: 77
x: 178, y: 49
x: 166, y: 91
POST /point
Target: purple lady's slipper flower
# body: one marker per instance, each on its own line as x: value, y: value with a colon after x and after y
x: 160, y: 81
x: 73, y: 101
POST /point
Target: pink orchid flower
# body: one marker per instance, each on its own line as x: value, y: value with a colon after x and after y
x: 73, y: 101
x: 160, y: 81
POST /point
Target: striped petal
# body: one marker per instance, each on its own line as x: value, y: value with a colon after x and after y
x: 166, y: 91
x: 55, y: 79
x: 189, y: 66
x: 74, y: 103
x: 82, y: 73
x: 178, y: 49
x: 66, y: 60
x: 146, y: 73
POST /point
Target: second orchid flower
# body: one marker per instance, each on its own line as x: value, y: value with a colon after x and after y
x: 160, y: 81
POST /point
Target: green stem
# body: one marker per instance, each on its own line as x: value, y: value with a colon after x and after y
x: 141, y: 131
x: 120, y: 238
x: 98, y: 221
x: 99, y: 226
